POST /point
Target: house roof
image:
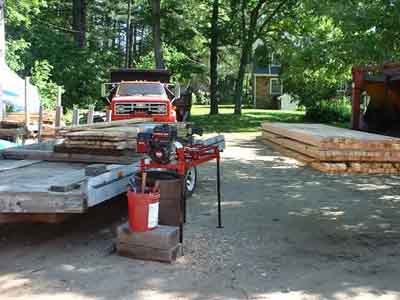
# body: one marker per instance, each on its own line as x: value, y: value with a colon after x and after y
x: 270, y: 70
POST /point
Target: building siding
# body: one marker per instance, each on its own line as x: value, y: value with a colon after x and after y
x: 262, y: 93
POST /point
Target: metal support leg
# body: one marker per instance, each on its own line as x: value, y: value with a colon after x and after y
x: 219, y: 193
x: 184, y: 203
x: 183, y: 211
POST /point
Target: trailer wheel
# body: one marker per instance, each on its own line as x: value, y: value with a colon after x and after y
x: 190, y: 181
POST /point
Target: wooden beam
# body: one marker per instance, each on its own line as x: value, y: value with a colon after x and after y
x: 90, y: 117
x: 75, y: 117
x: 26, y: 98
x: 42, y: 202
x: 33, y: 218
x: 49, y: 155
x: 40, y: 123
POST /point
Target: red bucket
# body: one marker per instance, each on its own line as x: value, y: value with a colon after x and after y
x: 143, y: 210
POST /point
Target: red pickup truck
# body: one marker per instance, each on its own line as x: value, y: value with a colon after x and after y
x: 143, y: 94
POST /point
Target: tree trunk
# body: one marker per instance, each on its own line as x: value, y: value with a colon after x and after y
x: 128, y: 36
x: 247, y: 44
x: 114, y: 33
x: 79, y: 22
x: 214, y: 59
x: 134, y: 45
x: 156, y: 20
x: 140, y: 44
x: 240, y: 78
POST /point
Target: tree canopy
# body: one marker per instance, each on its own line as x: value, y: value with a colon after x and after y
x: 74, y: 43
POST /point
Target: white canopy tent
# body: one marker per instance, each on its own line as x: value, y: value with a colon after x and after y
x: 12, y: 87
x: 13, y: 91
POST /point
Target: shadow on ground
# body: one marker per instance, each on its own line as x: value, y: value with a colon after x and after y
x: 289, y: 233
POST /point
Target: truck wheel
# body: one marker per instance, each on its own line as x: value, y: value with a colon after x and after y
x: 190, y: 181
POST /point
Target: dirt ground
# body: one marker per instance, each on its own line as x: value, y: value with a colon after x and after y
x: 290, y: 233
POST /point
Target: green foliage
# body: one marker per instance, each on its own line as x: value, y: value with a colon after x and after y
x: 329, y: 111
x: 181, y: 64
x: 201, y: 98
x: 316, y: 41
x: 312, y: 67
x: 16, y: 49
x: 324, y: 39
x: 41, y: 78
x: 177, y: 62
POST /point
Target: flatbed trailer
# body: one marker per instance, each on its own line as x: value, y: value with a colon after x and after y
x: 40, y: 185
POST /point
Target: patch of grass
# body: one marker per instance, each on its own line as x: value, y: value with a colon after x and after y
x: 249, y: 121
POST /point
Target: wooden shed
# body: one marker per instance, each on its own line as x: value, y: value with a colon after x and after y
x: 267, y: 87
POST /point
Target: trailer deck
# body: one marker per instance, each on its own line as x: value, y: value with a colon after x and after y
x: 57, y: 187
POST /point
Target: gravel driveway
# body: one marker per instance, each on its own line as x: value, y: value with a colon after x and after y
x: 289, y: 233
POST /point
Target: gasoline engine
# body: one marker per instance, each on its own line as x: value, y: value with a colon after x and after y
x: 162, y: 142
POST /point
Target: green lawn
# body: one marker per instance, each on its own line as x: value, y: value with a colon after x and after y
x: 249, y: 121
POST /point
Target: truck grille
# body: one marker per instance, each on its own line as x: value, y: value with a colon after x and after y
x: 140, y: 107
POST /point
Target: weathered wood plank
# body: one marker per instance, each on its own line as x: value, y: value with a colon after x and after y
x: 94, y: 151
x: 145, y: 253
x: 290, y: 153
x: 327, y: 137
x: 100, y: 145
x: 49, y: 155
x: 159, y: 244
x: 162, y: 237
x: 104, y: 125
x: 11, y: 132
x: 364, y: 168
x: 340, y: 155
x: 50, y: 218
x: 42, y: 202
x: 15, y: 164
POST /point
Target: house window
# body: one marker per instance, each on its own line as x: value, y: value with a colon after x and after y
x: 342, y: 89
x: 276, y: 87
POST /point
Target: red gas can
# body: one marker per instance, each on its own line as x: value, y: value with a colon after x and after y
x: 143, y: 210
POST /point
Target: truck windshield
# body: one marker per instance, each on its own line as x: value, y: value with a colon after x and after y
x: 141, y: 89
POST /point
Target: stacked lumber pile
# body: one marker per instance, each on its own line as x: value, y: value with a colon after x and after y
x: 19, y: 117
x: 107, y: 141
x: 12, y: 131
x: 335, y: 150
x: 117, y: 138
x: 13, y: 126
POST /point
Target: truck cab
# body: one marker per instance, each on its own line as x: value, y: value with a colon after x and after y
x: 142, y: 94
x: 142, y: 99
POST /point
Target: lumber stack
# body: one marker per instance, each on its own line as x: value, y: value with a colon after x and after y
x: 14, y: 127
x: 19, y: 117
x: 117, y: 138
x: 335, y: 150
x: 105, y: 141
